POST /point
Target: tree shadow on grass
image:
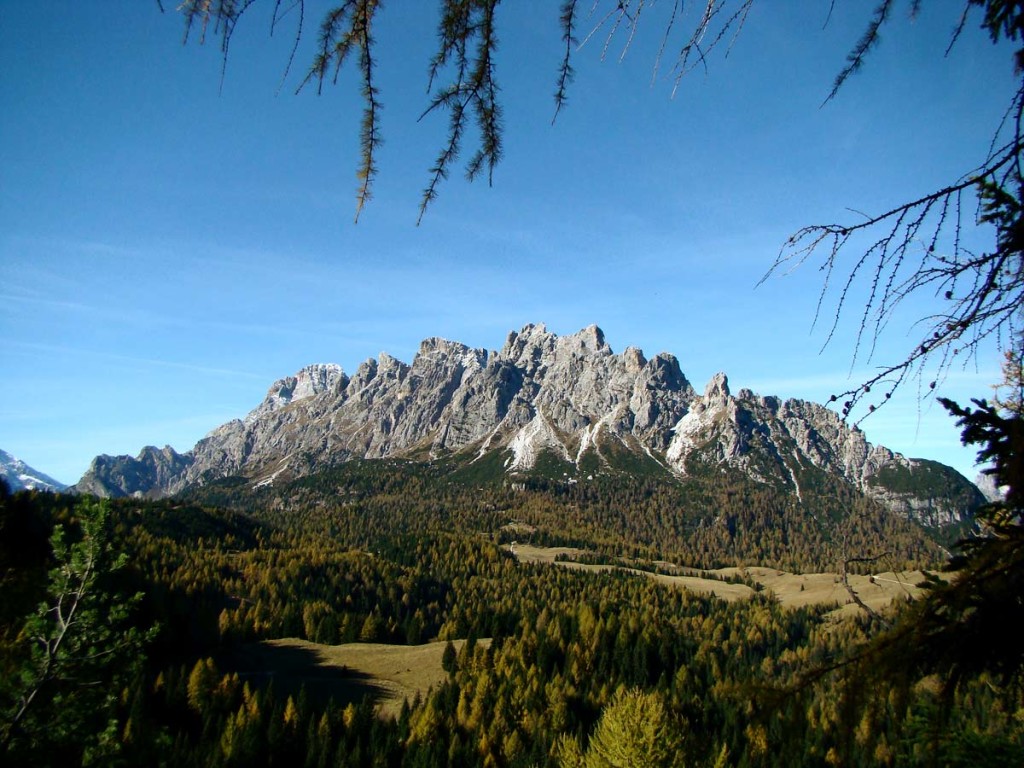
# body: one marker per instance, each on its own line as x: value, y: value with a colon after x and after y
x: 290, y: 668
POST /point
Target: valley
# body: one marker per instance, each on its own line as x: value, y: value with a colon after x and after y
x: 309, y: 620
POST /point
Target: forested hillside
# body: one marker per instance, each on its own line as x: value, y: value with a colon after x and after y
x: 714, y: 520
x: 576, y: 665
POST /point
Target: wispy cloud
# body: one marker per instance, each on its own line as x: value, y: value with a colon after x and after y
x: 56, y: 349
x: 50, y: 243
x: 14, y: 301
x: 19, y: 303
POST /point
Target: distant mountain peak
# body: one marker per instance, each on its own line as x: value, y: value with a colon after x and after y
x: 20, y: 475
x: 307, y: 382
x: 717, y: 387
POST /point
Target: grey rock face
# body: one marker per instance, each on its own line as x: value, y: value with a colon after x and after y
x: 987, y: 485
x: 569, y: 395
x: 147, y: 475
x: 769, y: 438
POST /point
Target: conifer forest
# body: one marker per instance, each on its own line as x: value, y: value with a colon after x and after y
x: 198, y: 630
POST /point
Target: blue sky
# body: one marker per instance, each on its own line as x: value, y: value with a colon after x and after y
x: 169, y: 248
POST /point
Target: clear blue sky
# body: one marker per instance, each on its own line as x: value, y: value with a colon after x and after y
x: 168, y: 249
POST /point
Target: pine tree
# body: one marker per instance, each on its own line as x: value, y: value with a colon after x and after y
x: 635, y: 728
x: 72, y: 660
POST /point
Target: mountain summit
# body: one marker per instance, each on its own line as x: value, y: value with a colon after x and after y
x: 570, y: 399
x: 20, y: 475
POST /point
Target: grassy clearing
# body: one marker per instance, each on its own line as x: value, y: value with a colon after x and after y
x: 389, y: 674
x: 793, y: 590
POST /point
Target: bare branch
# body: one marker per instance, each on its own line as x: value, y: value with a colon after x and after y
x: 278, y: 15
x: 370, y: 138
x: 567, y: 21
x: 860, y: 51
x: 472, y: 92
x: 344, y: 30
x: 712, y: 9
x: 958, y: 30
x: 984, y: 293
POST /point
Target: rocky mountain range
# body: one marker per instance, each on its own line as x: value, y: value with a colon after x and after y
x: 18, y: 475
x: 570, y: 399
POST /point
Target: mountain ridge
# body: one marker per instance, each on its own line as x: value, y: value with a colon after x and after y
x: 20, y: 476
x: 570, y: 397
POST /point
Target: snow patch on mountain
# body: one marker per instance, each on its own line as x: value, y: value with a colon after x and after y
x: 20, y: 476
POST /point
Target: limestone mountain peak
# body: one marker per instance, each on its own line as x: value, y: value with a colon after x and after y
x: 570, y: 397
